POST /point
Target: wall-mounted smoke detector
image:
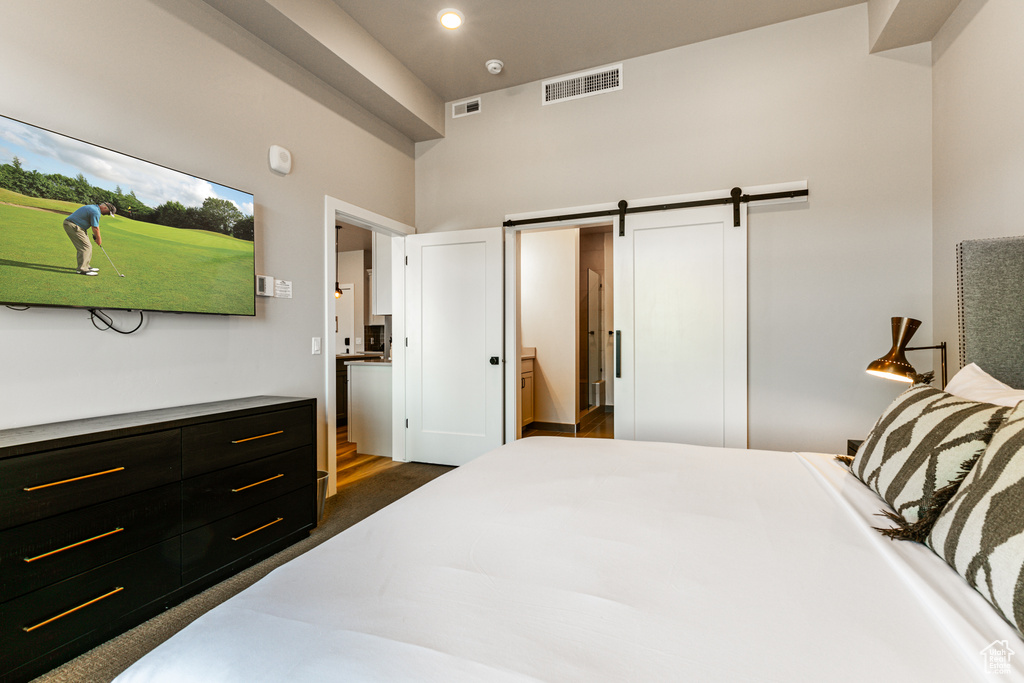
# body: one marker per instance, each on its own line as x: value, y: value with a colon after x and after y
x: 494, y: 66
x: 582, y: 84
x: 466, y: 108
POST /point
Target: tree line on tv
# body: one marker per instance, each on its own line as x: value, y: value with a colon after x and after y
x: 215, y: 215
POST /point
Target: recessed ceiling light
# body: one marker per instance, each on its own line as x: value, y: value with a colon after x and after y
x: 450, y: 18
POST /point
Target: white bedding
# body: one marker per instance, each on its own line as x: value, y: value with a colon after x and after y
x: 597, y: 560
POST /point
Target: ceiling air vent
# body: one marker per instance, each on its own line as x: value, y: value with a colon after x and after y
x: 466, y: 108
x: 582, y: 84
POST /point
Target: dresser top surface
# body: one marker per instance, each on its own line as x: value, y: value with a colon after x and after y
x: 29, y: 439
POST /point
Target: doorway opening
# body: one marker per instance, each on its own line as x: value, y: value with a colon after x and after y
x: 362, y: 232
x: 565, y: 322
x: 363, y: 405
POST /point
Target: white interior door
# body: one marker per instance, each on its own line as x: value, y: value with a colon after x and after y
x: 454, y: 330
x: 681, y: 319
x: 344, y: 320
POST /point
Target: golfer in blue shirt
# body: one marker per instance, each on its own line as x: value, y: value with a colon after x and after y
x: 77, y: 227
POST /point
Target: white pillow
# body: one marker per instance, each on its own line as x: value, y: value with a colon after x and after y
x: 975, y: 384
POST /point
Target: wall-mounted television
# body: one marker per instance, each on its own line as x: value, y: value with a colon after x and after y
x: 172, y: 242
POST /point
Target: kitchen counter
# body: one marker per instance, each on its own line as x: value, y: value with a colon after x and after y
x: 341, y: 361
x: 370, y: 361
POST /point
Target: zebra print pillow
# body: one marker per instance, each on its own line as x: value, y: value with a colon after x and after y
x: 916, y: 449
x: 980, y: 533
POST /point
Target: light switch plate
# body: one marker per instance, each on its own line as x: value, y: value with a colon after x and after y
x: 316, y: 346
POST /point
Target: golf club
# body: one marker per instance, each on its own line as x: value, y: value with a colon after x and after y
x: 111, y: 262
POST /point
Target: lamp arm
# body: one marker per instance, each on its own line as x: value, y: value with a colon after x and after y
x: 942, y: 347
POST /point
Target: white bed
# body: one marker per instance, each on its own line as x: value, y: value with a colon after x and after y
x: 597, y: 560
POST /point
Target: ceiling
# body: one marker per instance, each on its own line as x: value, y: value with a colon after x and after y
x: 395, y: 60
x: 352, y: 238
x: 538, y: 39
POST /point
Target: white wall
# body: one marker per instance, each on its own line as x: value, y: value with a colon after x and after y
x: 174, y: 82
x: 549, y: 276
x: 593, y: 257
x: 351, y: 271
x: 978, y: 146
x: 797, y: 100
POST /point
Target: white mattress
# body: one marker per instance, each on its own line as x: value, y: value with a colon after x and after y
x: 597, y: 560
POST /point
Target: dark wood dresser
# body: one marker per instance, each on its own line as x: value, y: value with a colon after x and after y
x: 105, y: 522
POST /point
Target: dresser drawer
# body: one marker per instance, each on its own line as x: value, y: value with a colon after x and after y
x: 212, y: 496
x: 38, y: 554
x: 215, y: 445
x: 36, y: 623
x: 216, y: 545
x: 44, y: 484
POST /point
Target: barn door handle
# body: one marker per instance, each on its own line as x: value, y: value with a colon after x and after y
x: 495, y: 360
x: 618, y: 353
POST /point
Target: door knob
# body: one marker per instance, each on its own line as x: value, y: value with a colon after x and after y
x: 495, y: 360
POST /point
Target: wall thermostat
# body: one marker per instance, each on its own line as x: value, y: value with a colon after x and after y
x: 280, y: 159
x: 264, y: 285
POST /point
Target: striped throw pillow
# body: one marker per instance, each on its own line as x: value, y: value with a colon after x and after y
x: 920, y: 447
x: 980, y: 533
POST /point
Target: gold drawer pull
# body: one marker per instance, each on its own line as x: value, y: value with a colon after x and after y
x: 256, y: 484
x: 29, y: 629
x: 239, y: 538
x: 68, y: 481
x: 73, y: 545
x: 261, y: 436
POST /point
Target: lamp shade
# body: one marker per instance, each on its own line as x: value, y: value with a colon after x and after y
x: 894, y: 365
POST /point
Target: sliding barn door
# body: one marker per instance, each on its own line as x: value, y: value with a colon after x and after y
x: 681, y: 327
x: 454, y: 324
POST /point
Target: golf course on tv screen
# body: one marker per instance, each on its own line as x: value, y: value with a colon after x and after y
x: 170, y: 241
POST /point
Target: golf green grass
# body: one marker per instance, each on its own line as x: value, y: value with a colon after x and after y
x: 165, y: 269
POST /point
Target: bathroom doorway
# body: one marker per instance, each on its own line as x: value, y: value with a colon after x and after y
x: 564, y: 280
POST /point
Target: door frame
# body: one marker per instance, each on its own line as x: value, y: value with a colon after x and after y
x: 513, y: 346
x: 513, y: 343
x: 336, y: 209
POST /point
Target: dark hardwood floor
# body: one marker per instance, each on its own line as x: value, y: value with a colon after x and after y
x: 353, y: 466
x: 595, y: 425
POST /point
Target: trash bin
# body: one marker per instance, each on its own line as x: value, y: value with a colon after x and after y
x: 321, y: 494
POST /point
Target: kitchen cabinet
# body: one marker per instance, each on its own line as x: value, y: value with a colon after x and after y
x: 371, y: 318
x: 381, y: 281
x: 341, y: 383
x: 341, y: 392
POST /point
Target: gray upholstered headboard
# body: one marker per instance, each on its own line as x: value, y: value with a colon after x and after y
x: 990, y: 275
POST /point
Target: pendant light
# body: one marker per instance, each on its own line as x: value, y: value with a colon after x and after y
x: 337, y: 286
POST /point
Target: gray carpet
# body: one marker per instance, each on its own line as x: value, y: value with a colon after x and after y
x: 354, y: 503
